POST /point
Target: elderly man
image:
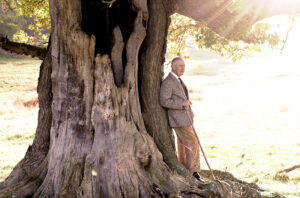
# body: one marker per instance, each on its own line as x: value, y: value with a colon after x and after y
x: 175, y: 97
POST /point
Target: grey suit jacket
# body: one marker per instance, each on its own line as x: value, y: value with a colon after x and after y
x: 171, y: 97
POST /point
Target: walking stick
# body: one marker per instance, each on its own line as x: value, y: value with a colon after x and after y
x: 228, y: 194
x: 201, y: 148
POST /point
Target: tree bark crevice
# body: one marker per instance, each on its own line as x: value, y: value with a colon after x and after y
x: 131, y: 70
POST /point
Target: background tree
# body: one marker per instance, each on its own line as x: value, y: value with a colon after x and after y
x: 184, y: 31
x: 101, y: 130
x: 25, y: 21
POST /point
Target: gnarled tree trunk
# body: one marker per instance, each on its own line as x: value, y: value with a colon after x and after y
x: 99, y: 144
x: 109, y: 137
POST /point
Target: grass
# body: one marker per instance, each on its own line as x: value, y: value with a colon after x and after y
x: 18, y: 75
x: 245, y: 127
x: 18, y: 109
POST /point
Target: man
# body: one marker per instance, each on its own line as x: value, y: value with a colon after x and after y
x: 175, y: 97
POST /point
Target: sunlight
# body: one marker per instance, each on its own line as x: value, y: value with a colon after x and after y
x: 220, y: 11
x: 236, y: 20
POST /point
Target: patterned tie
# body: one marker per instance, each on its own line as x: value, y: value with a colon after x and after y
x: 184, y: 88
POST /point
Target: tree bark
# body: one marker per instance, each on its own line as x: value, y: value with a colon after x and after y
x: 97, y: 127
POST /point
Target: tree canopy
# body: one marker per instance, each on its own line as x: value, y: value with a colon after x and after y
x: 25, y: 21
x: 184, y: 30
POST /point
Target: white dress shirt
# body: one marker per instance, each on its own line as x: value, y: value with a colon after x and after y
x: 175, y: 76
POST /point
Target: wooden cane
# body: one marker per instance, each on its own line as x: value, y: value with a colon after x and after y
x: 201, y: 148
x: 228, y: 194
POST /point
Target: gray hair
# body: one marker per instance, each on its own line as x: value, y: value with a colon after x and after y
x: 174, y: 60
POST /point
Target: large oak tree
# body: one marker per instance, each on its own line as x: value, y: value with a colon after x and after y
x: 101, y: 130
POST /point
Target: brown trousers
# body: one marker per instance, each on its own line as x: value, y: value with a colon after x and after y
x: 188, y: 148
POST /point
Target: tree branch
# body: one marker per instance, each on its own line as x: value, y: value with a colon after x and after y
x: 22, y: 48
x: 288, y: 169
x: 287, y: 34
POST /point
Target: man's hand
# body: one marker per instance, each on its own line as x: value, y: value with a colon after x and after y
x: 186, y: 103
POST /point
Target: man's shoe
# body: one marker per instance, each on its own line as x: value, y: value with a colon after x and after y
x: 198, y: 177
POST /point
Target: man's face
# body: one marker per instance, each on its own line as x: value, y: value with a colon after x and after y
x: 179, y: 67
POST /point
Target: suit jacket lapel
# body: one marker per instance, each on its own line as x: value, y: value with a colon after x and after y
x: 177, y: 83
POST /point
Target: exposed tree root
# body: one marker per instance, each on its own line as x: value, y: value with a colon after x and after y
x: 24, y: 168
x: 226, y: 176
x: 196, y: 191
x: 29, y: 185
